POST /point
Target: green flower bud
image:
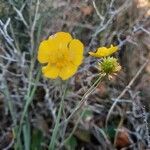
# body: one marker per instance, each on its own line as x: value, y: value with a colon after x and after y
x: 109, y: 65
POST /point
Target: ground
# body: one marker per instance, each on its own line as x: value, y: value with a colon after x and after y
x: 29, y: 102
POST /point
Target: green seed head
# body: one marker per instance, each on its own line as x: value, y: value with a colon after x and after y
x: 109, y: 65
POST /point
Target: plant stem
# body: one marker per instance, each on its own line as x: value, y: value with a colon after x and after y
x: 80, y: 105
x: 85, y: 96
x: 28, y: 102
x: 75, y: 127
x: 56, y: 128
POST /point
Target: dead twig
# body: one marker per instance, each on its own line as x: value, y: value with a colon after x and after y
x: 125, y: 90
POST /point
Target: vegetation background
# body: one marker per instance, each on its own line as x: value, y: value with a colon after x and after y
x: 25, y: 92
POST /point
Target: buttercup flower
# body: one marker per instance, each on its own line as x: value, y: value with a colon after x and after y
x: 62, y: 55
x: 109, y: 66
x: 104, y: 51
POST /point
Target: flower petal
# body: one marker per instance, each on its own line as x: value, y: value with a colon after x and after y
x: 67, y: 71
x: 104, y: 51
x: 76, y: 51
x: 63, y: 37
x: 61, y: 40
x: 94, y: 54
x: 113, y: 48
x: 45, y: 49
x: 50, y: 71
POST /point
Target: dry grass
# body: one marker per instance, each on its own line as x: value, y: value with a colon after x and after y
x: 29, y: 102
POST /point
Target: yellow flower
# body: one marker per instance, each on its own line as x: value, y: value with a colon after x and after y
x: 104, y: 51
x: 109, y: 66
x: 62, y: 55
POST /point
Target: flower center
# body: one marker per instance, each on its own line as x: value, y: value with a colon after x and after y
x: 62, y: 60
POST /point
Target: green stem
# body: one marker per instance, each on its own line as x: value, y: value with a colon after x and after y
x: 75, y: 127
x: 80, y: 105
x: 28, y: 102
x: 84, y: 98
x: 56, y: 128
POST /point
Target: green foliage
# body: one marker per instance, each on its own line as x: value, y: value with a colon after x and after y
x: 88, y: 113
x: 71, y: 143
x: 37, y: 139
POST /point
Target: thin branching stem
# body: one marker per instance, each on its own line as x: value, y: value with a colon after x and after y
x: 81, y: 105
x: 125, y: 90
x: 84, y: 98
x: 56, y: 128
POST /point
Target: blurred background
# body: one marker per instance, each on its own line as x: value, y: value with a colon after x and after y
x: 25, y: 23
